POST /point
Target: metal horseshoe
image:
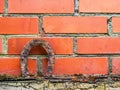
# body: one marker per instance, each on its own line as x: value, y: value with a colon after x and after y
x: 25, y: 53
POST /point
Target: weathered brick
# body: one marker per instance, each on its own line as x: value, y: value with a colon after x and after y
x: 79, y: 65
x: 99, y: 6
x: 70, y: 24
x: 41, y: 6
x: 59, y: 45
x: 21, y: 25
x: 98, y: 45
x: 11, y: 66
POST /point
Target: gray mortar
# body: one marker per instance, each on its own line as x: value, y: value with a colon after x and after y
x: 6, y: 7
x: 4, y: 44
x: 109, y: 22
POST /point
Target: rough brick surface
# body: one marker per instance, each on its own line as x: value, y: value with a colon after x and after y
x: 99, y: 6
x: 116, y: 65
x: 98, y: 45
x: 83, y: 65
x: 115, y: 24
x: 1, y: 6
x: 59, y: 45
x: 70, y: 24
x: 14, y: 25
x: 40, y: 6
x: 84, y: 34
x: 11, y: 66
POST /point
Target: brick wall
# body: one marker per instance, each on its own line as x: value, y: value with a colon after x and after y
x: 84, y: 35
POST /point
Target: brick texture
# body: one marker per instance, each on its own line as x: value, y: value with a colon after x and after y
x: 115, y: 24
x: 1, y: 6
x: 40, y: 6
x: 82, y: 33
x: 11, y: 66
x: 116, y: 65
x: 59, y: 45
x: 101, y: 45
x: 14, y: 25
x: 99, y: 6
x: 69, y: 24
x: 83, y: 65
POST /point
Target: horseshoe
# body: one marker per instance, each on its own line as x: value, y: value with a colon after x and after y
x: 25, y: 52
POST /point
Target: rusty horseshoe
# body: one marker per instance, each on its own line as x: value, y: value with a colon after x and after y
x: 25, y: 53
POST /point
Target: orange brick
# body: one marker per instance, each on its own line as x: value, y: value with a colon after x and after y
x: 115, y: 24
x: 116, y: 65
x: 1, y: 6
x: 59, y: 45
x: 11, y: 66
x: 70, y: 24
x: 99, y: 6
x: 82, y: 65
x: 41, y: 6
x: 0, y: 45
x: 98, y: 45
x: 14, y: 25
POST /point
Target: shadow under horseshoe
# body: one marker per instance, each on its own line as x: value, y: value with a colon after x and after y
x: 25, y: 53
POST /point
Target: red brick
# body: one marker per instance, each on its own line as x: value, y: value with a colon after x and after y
x: 41, y: 6
x: 98, y: 45
x: 59, y: 45
x: 82, y: 65
x: 70, y: 24
x: 11, y: 66
x: 0, y: 45
x: 1, y: 6
x: 116, y: 65
x: 99, y: 6
x: 115, y: 24
x: 14, y: 25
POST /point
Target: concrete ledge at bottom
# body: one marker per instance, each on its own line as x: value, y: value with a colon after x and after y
x: 46, y: 85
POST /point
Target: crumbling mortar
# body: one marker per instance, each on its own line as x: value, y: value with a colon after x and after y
x: 109, y: 23
x: 40, y: 25
x: 62, y: 14
x: 62, y: 56
x: 74, y: 46
x: 99, y: 14
x: 76, y: 6
x: 76, y: 35
x: 34, y: 14
x: 63, y: 35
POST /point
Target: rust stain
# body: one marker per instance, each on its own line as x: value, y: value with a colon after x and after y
x: 25, y: 53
